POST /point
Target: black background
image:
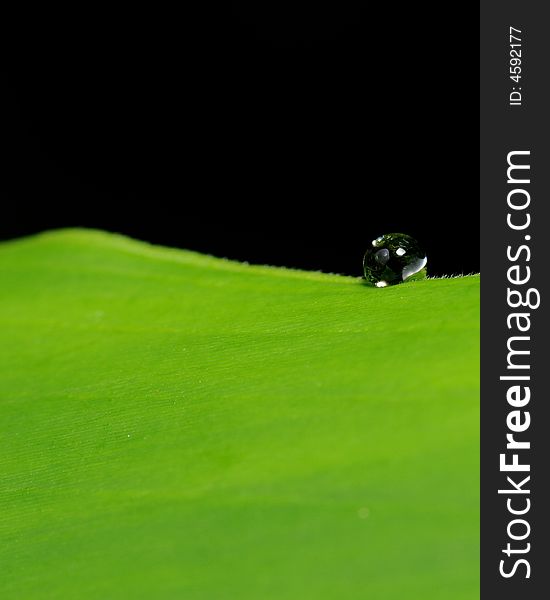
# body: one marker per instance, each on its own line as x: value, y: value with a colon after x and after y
x: 272, y: 132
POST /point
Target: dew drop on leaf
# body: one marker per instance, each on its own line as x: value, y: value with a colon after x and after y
x: 394, y: 258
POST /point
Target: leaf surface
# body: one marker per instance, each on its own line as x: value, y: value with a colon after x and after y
x: 179, y: 426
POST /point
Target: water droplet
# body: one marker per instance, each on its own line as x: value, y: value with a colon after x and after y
x: 394, y: 258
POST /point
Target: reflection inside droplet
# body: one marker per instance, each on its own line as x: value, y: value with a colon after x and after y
x: 382, y: 256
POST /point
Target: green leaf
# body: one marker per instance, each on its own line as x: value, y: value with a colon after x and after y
x: 179, y: 426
